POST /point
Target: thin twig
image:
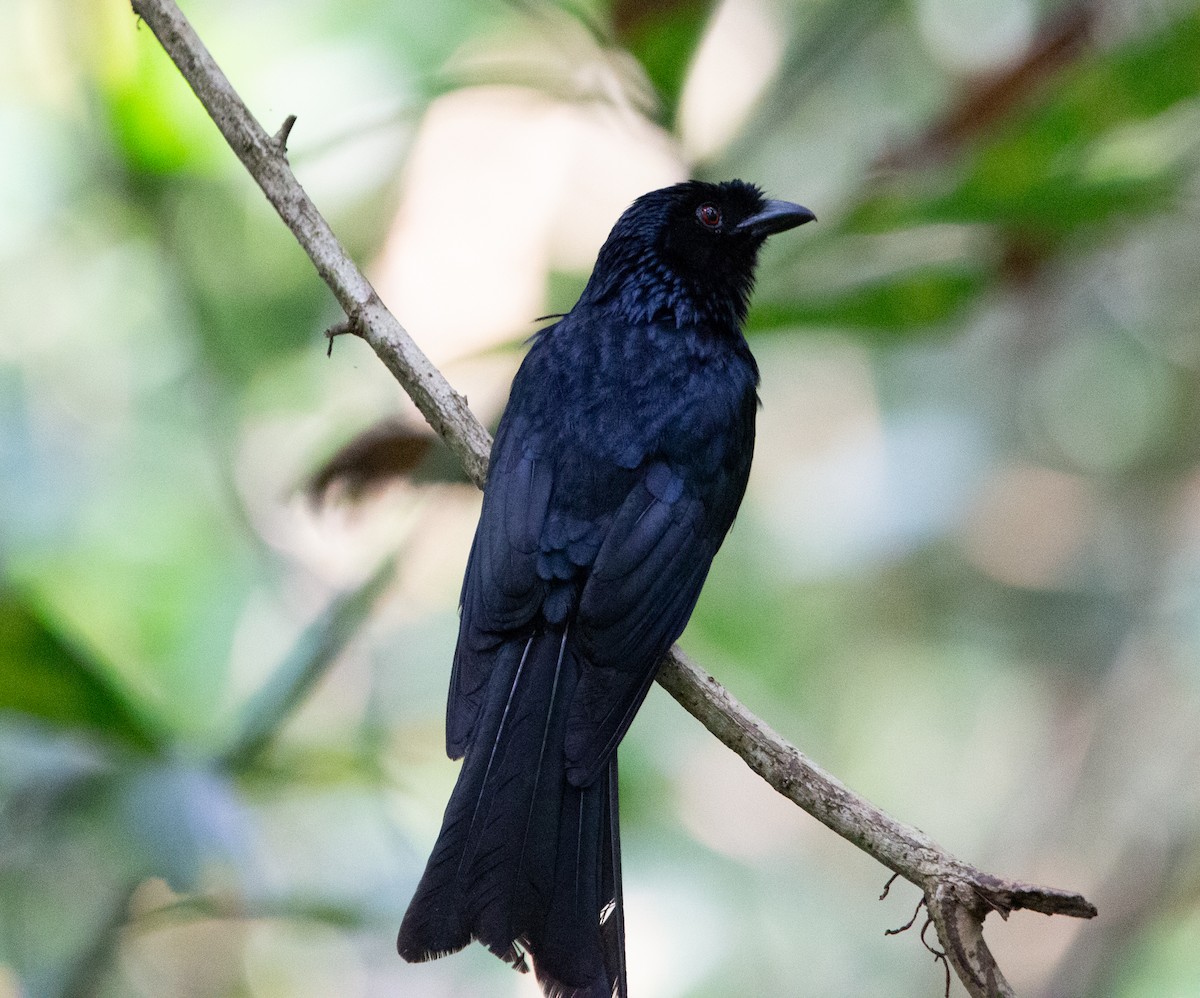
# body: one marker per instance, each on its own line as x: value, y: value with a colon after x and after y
x: 910, y: 923
x: 937, y: 953
x: 939, y: 956
x: 958, y: 896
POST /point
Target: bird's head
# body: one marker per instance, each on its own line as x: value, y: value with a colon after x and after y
x: 686, y: 254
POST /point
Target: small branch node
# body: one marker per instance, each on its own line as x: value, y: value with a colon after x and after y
x: 352, y: 325
x: 888, y: 886
x: 280, y: 138
x: 991, y: 902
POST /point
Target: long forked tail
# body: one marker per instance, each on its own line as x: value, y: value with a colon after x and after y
x: 525, y: 862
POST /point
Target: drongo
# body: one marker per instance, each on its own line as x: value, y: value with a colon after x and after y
x: 617, y: 469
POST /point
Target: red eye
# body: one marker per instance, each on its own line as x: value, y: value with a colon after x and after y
x: 709, y: 215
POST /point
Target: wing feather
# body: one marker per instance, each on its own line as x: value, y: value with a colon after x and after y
x: 641, y: 591
x: 502, y: 591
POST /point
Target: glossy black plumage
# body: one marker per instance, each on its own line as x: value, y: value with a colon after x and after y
x: 617, y: 470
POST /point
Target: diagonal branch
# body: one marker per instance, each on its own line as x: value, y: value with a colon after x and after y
x: 265, y: 157
x: 958, y: 896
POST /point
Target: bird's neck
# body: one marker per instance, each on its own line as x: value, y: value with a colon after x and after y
x: 652, y: 293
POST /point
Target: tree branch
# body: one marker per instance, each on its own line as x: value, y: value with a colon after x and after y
x: 958, y: 896
x: 266, y: 159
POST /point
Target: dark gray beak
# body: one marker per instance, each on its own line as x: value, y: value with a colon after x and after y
x: 776, y: 216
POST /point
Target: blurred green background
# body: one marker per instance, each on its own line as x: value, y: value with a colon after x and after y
x: 966, y: 577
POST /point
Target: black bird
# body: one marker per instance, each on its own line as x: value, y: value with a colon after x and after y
x: 617, y: 469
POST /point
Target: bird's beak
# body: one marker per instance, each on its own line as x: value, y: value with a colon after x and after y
x: 776, y: 216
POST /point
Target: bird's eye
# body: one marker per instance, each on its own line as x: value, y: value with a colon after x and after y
x: 709, y: 215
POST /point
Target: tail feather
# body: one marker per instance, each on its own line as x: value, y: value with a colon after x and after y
x: 612, y: 918
x: 524, y: 860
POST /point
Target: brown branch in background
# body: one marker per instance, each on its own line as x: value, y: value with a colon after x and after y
x: 394, y: 448
x: 958, y: 896
x: 380, y: 454
x: 988, y: 99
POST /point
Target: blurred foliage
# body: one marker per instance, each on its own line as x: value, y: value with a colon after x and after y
x: 663, y: 38
x: 1077, y: 157
x: 42, y: 677
x: 966, y: 578
x: 900, y: 304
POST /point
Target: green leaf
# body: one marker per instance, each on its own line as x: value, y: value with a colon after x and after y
x: 663, y: 37
x: 318, y: 648
x: 42, y: 675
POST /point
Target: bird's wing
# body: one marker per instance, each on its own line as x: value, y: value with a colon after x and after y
x: 638, y: 597
x: 502, y: 591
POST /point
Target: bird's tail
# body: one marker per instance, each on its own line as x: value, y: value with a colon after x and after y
x: 525, y: 862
